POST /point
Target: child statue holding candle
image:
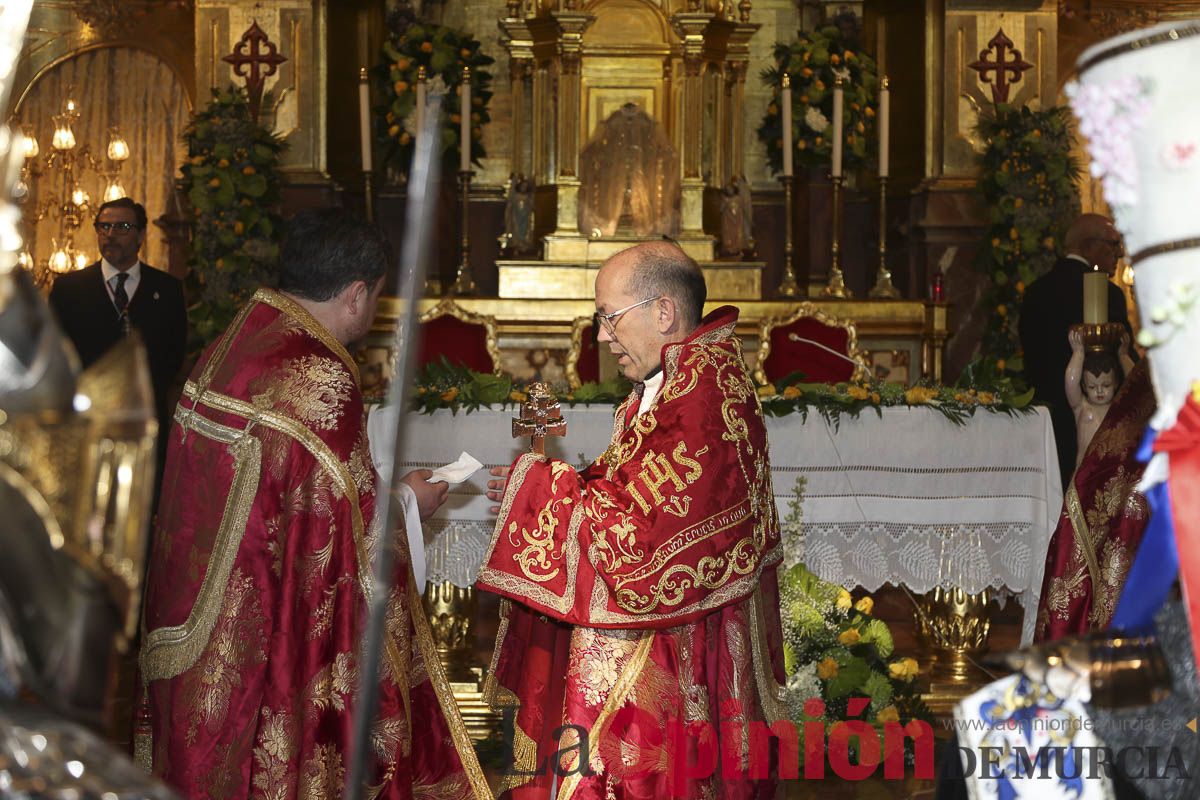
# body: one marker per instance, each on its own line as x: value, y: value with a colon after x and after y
x: 1091, y: 384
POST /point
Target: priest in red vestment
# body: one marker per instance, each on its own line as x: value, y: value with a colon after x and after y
x: 641, y: 602
x: 1102, y: 520
x: 257, y: 588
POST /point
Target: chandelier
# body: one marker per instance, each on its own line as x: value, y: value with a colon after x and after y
x: 59, y: 195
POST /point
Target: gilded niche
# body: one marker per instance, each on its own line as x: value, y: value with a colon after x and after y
x: 630, y: 176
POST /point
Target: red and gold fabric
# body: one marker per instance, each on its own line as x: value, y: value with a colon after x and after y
x: 258, y: 584
x: 1102, y: 521
x: 645, y: 583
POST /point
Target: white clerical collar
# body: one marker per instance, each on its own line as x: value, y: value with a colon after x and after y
x: 650, y: 390
x: 1080, y: 259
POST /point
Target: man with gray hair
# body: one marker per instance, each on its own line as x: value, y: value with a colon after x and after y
x: 641, y: 609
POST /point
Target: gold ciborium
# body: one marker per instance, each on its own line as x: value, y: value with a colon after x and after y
x: 1102, y: 337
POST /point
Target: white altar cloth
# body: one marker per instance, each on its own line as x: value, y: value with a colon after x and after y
x: 908, y: 499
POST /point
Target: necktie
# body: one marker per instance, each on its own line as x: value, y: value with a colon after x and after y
x: 120, y: 298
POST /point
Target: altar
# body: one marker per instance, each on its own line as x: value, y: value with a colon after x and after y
x: 970, y: 506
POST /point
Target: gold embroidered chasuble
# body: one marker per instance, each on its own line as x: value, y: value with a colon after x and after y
x: 641, y: 594
x: 257, y: 586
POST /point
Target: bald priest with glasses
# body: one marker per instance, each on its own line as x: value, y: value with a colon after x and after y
x: 640, y: 591
x: 99, y: 304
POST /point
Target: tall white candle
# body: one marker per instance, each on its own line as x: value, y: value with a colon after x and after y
x: 1095, y: 297
x: 364, y: 118
x: 785, y: 100
x: 465, y: 128
x: 420, y: 99
x: 884, y: 106
x: 836, y: 169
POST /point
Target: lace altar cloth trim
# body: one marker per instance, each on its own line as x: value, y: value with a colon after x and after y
x: 907, y: 498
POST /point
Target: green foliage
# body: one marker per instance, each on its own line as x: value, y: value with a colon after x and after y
x: 232, y: 180
x: 833, y: 400
x: 443, y: 385
x: 454, y: 387
x: 443, y: 52
x: 811, y: 62
x: 1028, y: 184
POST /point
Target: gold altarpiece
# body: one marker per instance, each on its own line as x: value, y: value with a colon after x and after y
x: 683, y: 63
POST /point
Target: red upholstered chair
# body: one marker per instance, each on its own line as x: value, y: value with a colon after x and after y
x: 785, y: 345
x: 462, y: 336
x: 583, y: 359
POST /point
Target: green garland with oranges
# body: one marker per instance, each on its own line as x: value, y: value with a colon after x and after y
x: 443, y: 52
x: 1028, y: 184
x: 231, y: 178
x: 812, y: 62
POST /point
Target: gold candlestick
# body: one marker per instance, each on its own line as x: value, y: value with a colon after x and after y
x: 463, y: 282
x: 836, y: 287
x: 789, y: 287
x: 1100, y: 337
x: 369, y: 193
x: 883, y: 287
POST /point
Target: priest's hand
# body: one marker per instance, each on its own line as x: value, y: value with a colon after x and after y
x: 430, y: 496
x: 496, y: 488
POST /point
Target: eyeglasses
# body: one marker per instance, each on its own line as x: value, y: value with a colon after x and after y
x: 120, y: 227
x: 609, y: 321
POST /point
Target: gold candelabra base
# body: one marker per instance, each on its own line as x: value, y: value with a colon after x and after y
x: 451, y: 611
x: 953, y: 626
x: 883, y: 288
x: 836, y: 288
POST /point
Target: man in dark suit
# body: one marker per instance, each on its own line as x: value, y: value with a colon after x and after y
x: 1052, y: 304
x: 98, y: 304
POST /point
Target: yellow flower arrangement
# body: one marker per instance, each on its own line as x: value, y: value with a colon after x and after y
x: 919, y: 395
x: 888, y: 714
x: 858, y: 392
x: 767, y: 391
x: 904, y: 670
x: 792, y: 392
x: 827, y: 669
x: 850, y: 637
x: 865, y: 605
x: 449, y: 395
x: 519, y: 396
x: 844, y: 601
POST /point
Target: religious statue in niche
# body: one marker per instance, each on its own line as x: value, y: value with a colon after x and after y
x: 518, y: 217
x: 630, y: 178
x: 1091, y: 384
x: 737, y: 218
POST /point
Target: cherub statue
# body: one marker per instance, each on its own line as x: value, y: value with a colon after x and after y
x: 1092, y: 381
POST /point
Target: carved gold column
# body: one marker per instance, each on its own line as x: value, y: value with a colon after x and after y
x: 518, y: 40
x: 738, y: 59
x: 571, y: 26
x: 691, y: 28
